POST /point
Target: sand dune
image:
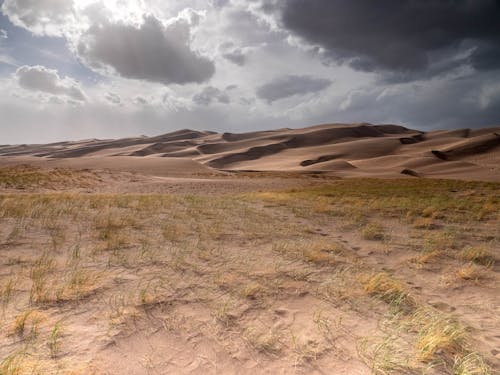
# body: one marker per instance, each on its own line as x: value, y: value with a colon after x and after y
x: 339, y: 149
x: 472, y: 146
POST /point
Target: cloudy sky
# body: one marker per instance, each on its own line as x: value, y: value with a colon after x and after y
x: 73, y: 69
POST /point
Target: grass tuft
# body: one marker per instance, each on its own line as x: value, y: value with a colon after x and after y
x: 373, y: 231
x: 390, y: 290
x: 438, y: 334
x: 27, y: 323
x: 470, y: 271
x: 425, y: 223
x: 477, y: 254
x: 471, y: 364
x: 54, y: 342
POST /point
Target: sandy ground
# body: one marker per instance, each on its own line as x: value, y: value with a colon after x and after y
x: 261, y: 253
x: 107, y: 272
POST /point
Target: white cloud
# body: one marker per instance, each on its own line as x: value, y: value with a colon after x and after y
x: 120, y: 37
x: 40, y: 78
x: 3, y: 34
x: 6, y: 59
x: 113, y: 98
x: 158, y: 74
x: 42, y: 17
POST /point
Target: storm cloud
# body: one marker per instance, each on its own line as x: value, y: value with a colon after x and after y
x: 399, y: 36
x: 291, y: 85
x: 123, y: 67
x: 151, y: 52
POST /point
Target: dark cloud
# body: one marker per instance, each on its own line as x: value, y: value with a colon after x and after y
x: 486, y: 58
x: 269, y: 6
x: 150, y: 52
x: 291, y: 85
x: 40, y: 78
x: 210, y: 95
x: 398, y: 36
x: 467, y: 102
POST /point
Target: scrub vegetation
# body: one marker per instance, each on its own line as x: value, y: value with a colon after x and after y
x: 354, y: 276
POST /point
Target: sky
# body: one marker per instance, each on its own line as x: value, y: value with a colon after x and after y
x: 78, y: 69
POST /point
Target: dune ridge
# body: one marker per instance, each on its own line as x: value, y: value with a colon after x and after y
x: 345, y: 150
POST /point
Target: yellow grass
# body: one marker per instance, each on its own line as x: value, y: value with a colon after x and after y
x: 389, y: 289
x: 438, y: 334
x: 477, y: 254
x: 246, y: 272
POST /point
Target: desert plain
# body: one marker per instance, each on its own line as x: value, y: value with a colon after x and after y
x: 333, y: 249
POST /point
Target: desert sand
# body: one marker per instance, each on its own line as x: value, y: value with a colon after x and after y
x: 334, y: 249
x: 343, y: 150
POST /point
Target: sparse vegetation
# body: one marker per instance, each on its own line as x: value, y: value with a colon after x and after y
x: 477, y: 254
x: 27, y: 176
x: 27, y: 323
x: 390, y: 290
x: 425, y: 223
x: 470, y: 272
x: 268, y: 341
x: 438, y: 333
x: 273, y: 276
x: 54, y: 342
x: 373, y: 231
x: 471, y: 364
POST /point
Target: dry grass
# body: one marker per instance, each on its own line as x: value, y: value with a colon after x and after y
x: 319, y: 252
x: 323, y: 252
x: 6, y: 291
x: 54, y: 341
x: 267, y: 341
x: 27, y: 324
x: 470, y: 271
x: 41, y: 272
x: 432, y: 212
x: 253, y: 291
x: 27, y: 176
x: 387, y: 355
x: 373, y: 231
x: 390, y: 290
x: 478, y: 254
x: 430, y: 256
x: 256, y: 264
x: 471, y: 364
x: 78, y: 284
x: 438, y: 334
x: 425, y: 223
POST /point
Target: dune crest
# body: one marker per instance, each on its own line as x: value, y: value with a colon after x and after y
x: 345, y: 150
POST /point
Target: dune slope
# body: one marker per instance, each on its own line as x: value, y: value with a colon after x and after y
x: 345, y: 150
